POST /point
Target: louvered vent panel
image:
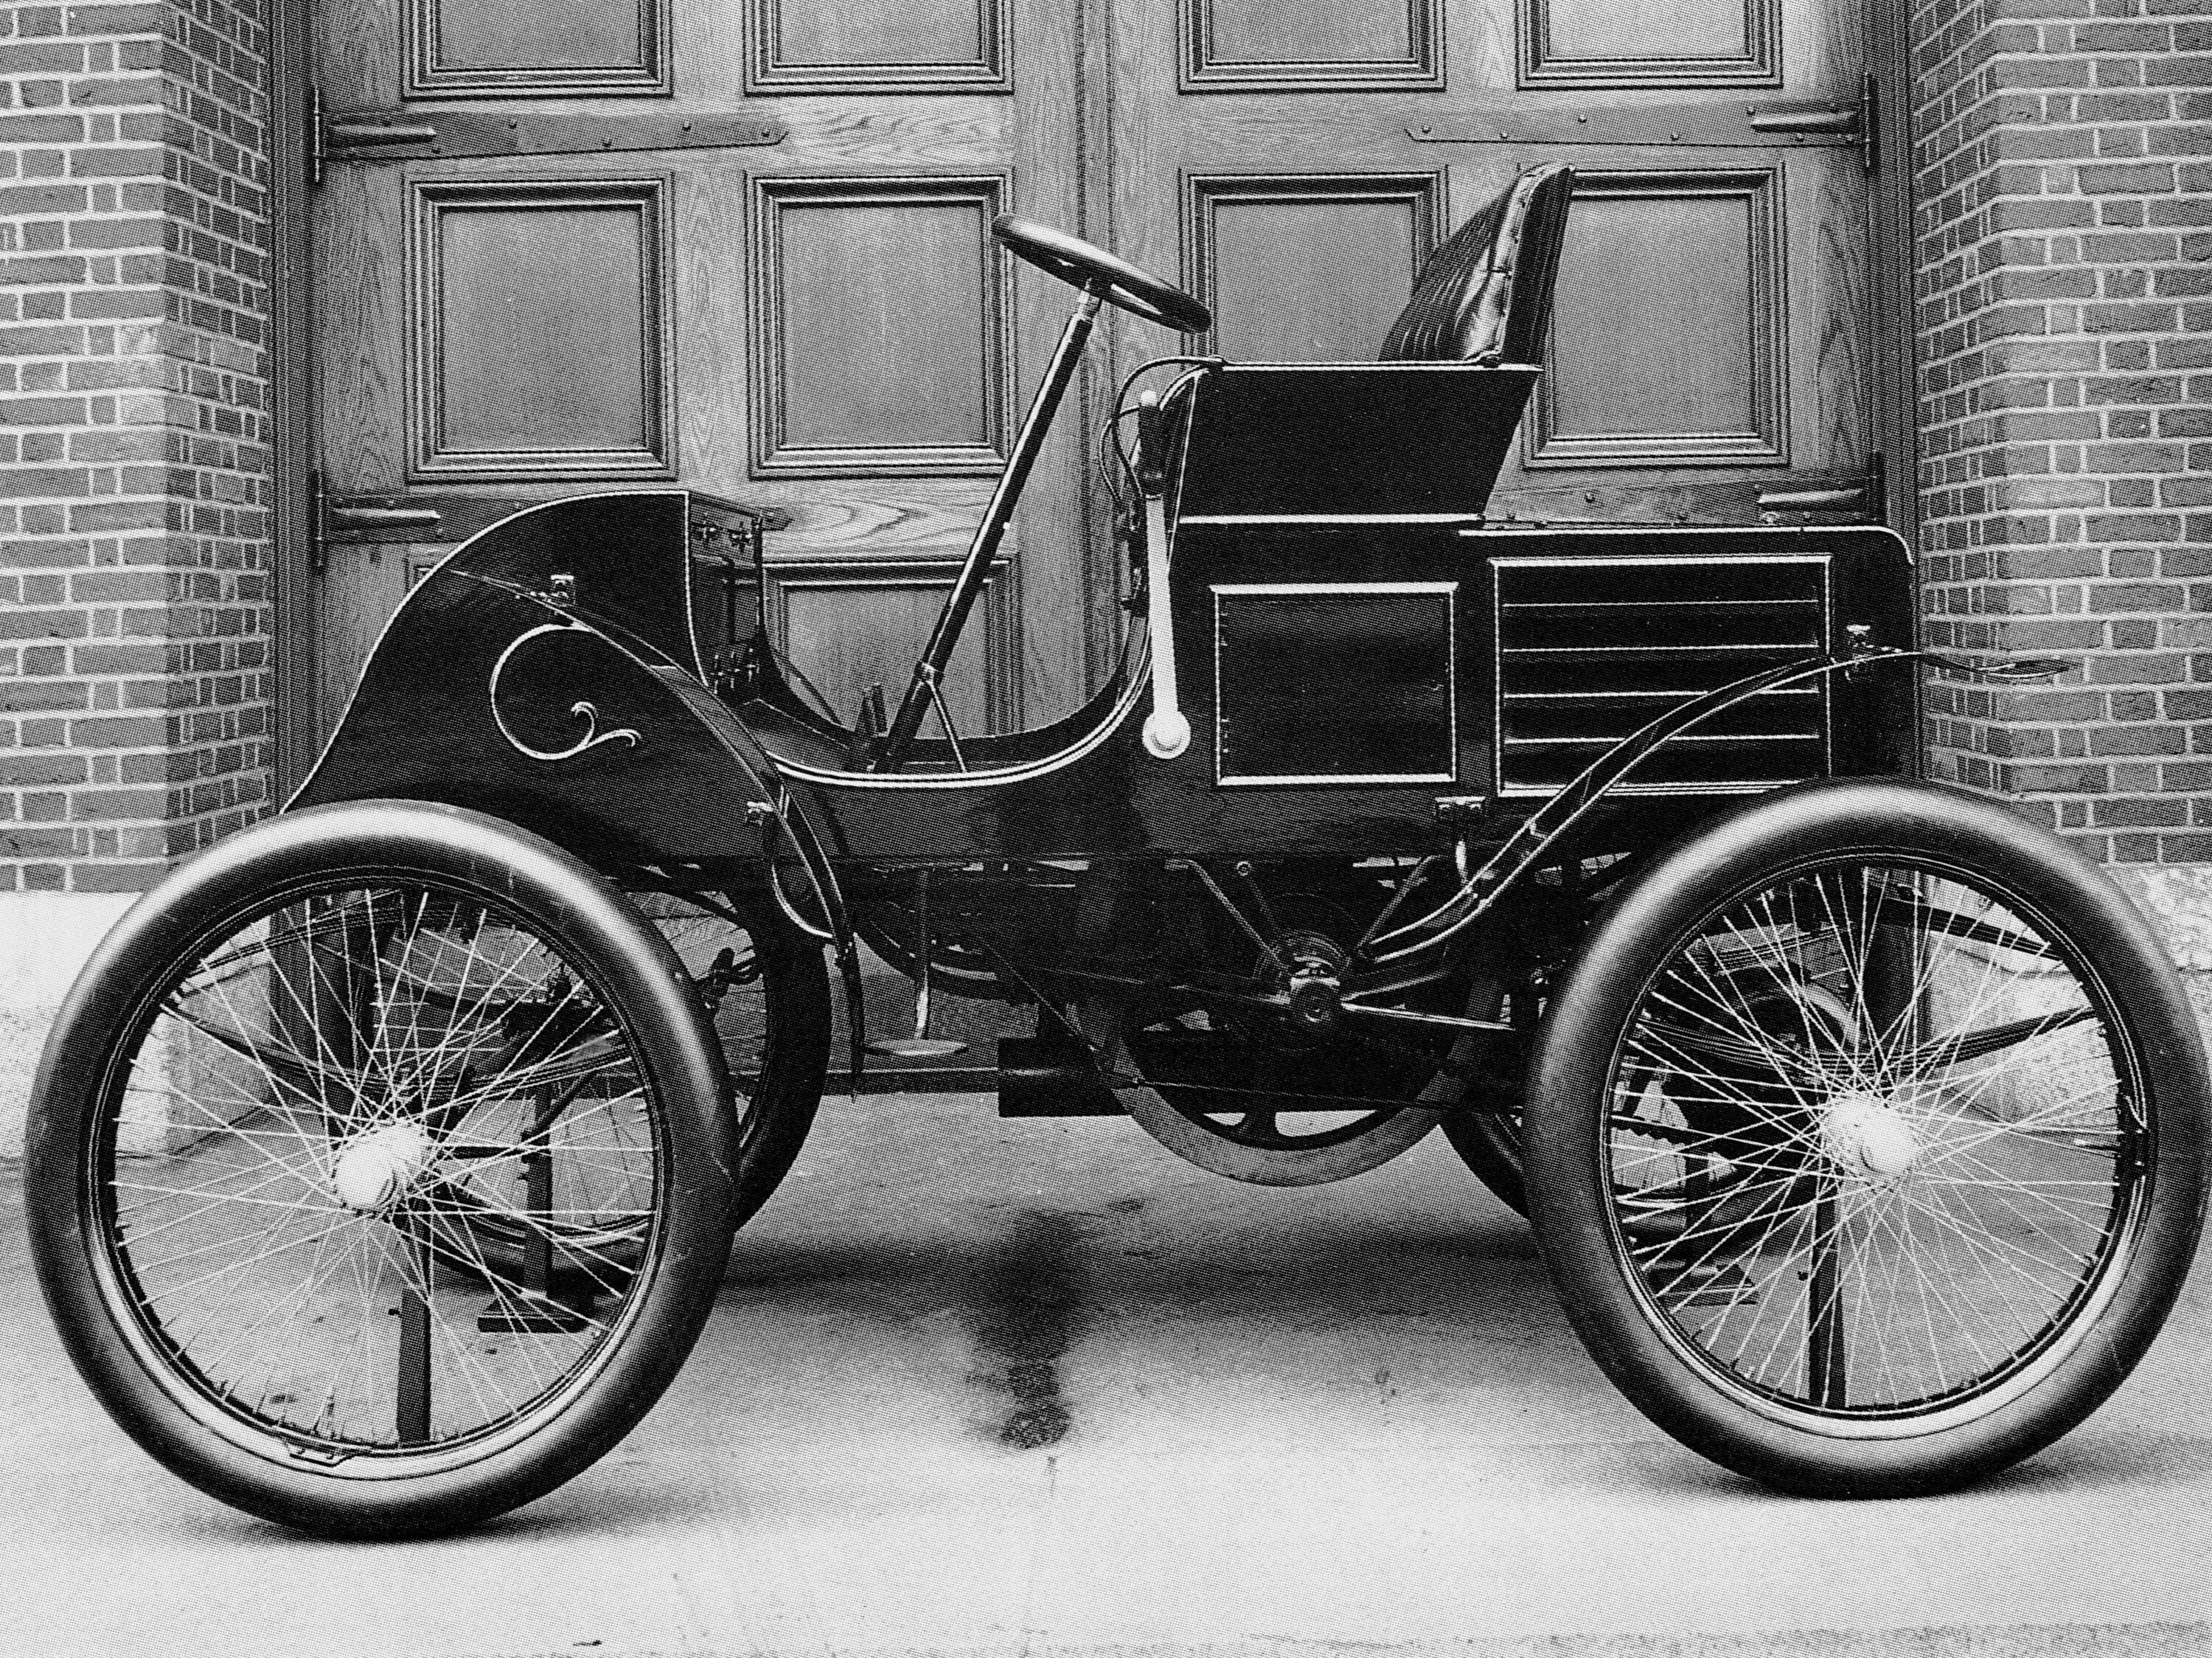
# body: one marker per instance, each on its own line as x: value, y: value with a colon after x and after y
x: 1591, y: 649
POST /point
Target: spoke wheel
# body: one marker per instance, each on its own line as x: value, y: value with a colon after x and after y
x: 1867, y: 1140
x: 377, y: 1170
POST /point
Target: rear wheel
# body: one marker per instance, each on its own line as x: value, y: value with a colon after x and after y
x: 1488, y: 1136
x: 1867, y: 1140
x: 766, y: 992
x: 379, y: 1169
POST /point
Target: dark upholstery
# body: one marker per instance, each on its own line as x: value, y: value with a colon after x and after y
x: 1486, y: 296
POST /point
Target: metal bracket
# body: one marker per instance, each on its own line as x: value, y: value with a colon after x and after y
x: 361, y: 136
x: 1717, y: 125
x: 330, y: 516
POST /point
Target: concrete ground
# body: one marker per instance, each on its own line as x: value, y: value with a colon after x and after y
x: 988, y: 1388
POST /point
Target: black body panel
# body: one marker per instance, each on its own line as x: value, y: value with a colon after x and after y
x: 1390, y: 440
x: 1366, y: 656
x: 550, y: 671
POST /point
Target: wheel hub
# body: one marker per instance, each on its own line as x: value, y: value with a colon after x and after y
x: 379, y: 1168
x: 1869, y: 1138
x: 1310, y: 965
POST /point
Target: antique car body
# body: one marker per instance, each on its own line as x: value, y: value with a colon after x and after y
x: 1864, y: 1128
x: 1493, y: 662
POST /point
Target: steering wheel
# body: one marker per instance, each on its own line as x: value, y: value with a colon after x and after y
x: 1096, y: 271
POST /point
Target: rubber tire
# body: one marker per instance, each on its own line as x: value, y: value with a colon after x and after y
x: 1570, y: 1181
x: 99, y: 1030
x: 772, y: 1126
x: 1488, y: 1143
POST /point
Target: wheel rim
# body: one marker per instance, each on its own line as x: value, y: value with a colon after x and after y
x: 1872, y: 1146
x: 330, y: 1113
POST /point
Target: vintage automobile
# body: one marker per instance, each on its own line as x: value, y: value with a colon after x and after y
x: 386, y: 1161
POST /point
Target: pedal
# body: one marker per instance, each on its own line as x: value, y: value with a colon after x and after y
x: 921, y: 1045
x: 916, y: 1047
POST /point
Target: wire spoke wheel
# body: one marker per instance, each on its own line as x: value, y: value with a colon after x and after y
x: 1885, y: 1155
x: 373, y: 1163
x: 1820, y: 1196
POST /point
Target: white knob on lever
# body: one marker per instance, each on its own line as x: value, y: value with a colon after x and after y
x: 1167, y: 733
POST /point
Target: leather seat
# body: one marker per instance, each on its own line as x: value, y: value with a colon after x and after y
x: 1486, y: 296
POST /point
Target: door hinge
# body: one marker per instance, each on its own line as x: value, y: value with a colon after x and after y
x: 330, y: 516
x: 1717, y: 124
x: 1774, y: 124
x: 369, y: 136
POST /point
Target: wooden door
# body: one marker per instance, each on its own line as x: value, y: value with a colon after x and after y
x: 742, y: 244
x: 1714, y: 353
x: 572, y: 245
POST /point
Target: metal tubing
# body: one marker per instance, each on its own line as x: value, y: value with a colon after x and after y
x: 969, y: 585
x: 412, y: 1413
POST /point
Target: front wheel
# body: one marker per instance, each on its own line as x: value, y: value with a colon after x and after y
x: 1867, y: 1139
x: 379, y: 1171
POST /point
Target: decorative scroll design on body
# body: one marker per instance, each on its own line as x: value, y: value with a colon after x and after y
x: 588, y: 712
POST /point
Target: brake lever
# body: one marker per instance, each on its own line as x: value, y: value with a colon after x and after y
x: 1167, y: 732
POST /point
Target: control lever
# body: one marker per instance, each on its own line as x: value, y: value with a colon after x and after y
x: 867, y: 728
x: 1167, y: 733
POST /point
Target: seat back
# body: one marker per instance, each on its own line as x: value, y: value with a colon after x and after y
x: 1486, y: 296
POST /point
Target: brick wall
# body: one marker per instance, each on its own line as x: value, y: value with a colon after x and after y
x: 134, y: 587
x: 2063, y: 151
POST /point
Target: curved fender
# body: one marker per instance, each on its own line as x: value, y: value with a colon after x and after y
x: 483, y: 692
x: 492, y: 687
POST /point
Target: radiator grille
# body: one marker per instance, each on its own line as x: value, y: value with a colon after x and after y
x: 1591, y: 649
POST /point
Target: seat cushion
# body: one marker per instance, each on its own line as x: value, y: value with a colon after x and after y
x: 1484, y: 297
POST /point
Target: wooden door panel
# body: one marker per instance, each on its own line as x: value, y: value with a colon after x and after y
x: 1309, y: 45
x: 858, y: 622
x: 1685, y: 42
x: 900, y: 364
x: 541, y: 345
x: 1711, y: 334
x: 1306, y: 268
x: 544, y: 47
x: 1670, y: 335
x: 912, y: 44
x: 820, y: 326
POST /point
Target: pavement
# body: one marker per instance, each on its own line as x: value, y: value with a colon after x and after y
x: 987, y: 1387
